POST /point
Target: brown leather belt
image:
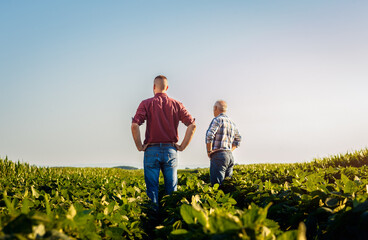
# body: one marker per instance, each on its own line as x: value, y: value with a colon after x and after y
x: 162, y: 144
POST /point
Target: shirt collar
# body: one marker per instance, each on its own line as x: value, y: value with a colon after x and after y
x: 161, y: 94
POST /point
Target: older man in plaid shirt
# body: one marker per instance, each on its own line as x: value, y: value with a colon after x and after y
x: 222, y: 138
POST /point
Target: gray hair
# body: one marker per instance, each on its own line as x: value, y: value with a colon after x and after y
x: 221, y: 105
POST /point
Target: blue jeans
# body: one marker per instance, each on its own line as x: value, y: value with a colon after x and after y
x: 160, y: 157
x: 221, y: 166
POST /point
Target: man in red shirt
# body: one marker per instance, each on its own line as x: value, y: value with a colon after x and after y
x: 160, y: 145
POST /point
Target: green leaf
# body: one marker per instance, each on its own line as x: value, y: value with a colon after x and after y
x: 26, y: 205
x: 302, y: 231
x: 331, y: 202
x: 289, y: 235
x: 350, y: 187
x: 200, y: 216
x: 179, y: 232
x: 110, y: 208
x: 34, y: 192
x: 344, y: 179
x: 71, y: 212
x: 9, y: 204
x: 47, y: 203
x: 223, y: 222
x: 37, y: 231
x: 186, y: 214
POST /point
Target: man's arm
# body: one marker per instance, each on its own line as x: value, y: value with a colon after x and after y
x: 137, y: 137
x: 237, y: 140
x: 187, y: 138
x: 210, y: 136
x: 209, y: 148
x: 233, y: 147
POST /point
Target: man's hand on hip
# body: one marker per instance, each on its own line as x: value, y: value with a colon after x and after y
x: 137, y: 138
x: 209, y: 149
x: 187, y: 138
x: 143, y: 147
x: 179, y: 147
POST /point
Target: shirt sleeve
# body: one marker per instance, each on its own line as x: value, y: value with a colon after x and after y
x: 212, y: 130
x: 237, y: 138
x: 140, y: 115
x: 184, y: 116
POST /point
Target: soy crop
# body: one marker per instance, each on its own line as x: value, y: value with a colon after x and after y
x: 322, y: 199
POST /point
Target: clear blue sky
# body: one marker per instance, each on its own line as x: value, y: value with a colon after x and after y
x: 72, y: 73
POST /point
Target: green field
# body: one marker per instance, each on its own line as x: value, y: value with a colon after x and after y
x: 323, y: 199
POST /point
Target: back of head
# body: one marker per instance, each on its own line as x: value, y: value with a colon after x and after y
x: 160, y: 83
x: 221, y: 105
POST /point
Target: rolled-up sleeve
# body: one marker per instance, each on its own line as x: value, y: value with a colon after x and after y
x: 212, y: 130
x: 140, y: 115
x: 184, y: 115
x: 237, y: 138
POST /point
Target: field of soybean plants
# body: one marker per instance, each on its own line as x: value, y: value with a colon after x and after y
x: 323, y: 199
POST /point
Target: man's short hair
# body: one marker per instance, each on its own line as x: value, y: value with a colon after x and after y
x: 160, y: 82
x: 221, y: 105
x: 161, y: 77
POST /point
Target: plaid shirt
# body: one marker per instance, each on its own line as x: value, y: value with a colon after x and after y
x: 223, y: 133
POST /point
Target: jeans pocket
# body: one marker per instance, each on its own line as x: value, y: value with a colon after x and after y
x: 219, y: 156
x: 170, y: 158
x: 151, y: 160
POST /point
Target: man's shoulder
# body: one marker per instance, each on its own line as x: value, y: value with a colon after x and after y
x: 172, y: 101
x: 217, y: 120
x: 148, y: 100
x: 175, y: 102
x: 223, y: 118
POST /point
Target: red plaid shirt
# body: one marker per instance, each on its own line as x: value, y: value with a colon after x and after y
x: 163, y: 115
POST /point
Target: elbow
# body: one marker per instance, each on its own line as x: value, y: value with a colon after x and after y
x: 236, y: 143
x: 209, y: 139
x: 134, y: 126
x: 192, y: 127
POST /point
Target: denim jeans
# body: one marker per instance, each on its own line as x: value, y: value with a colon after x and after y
x: 160, y: 157
x: 221, y: 166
